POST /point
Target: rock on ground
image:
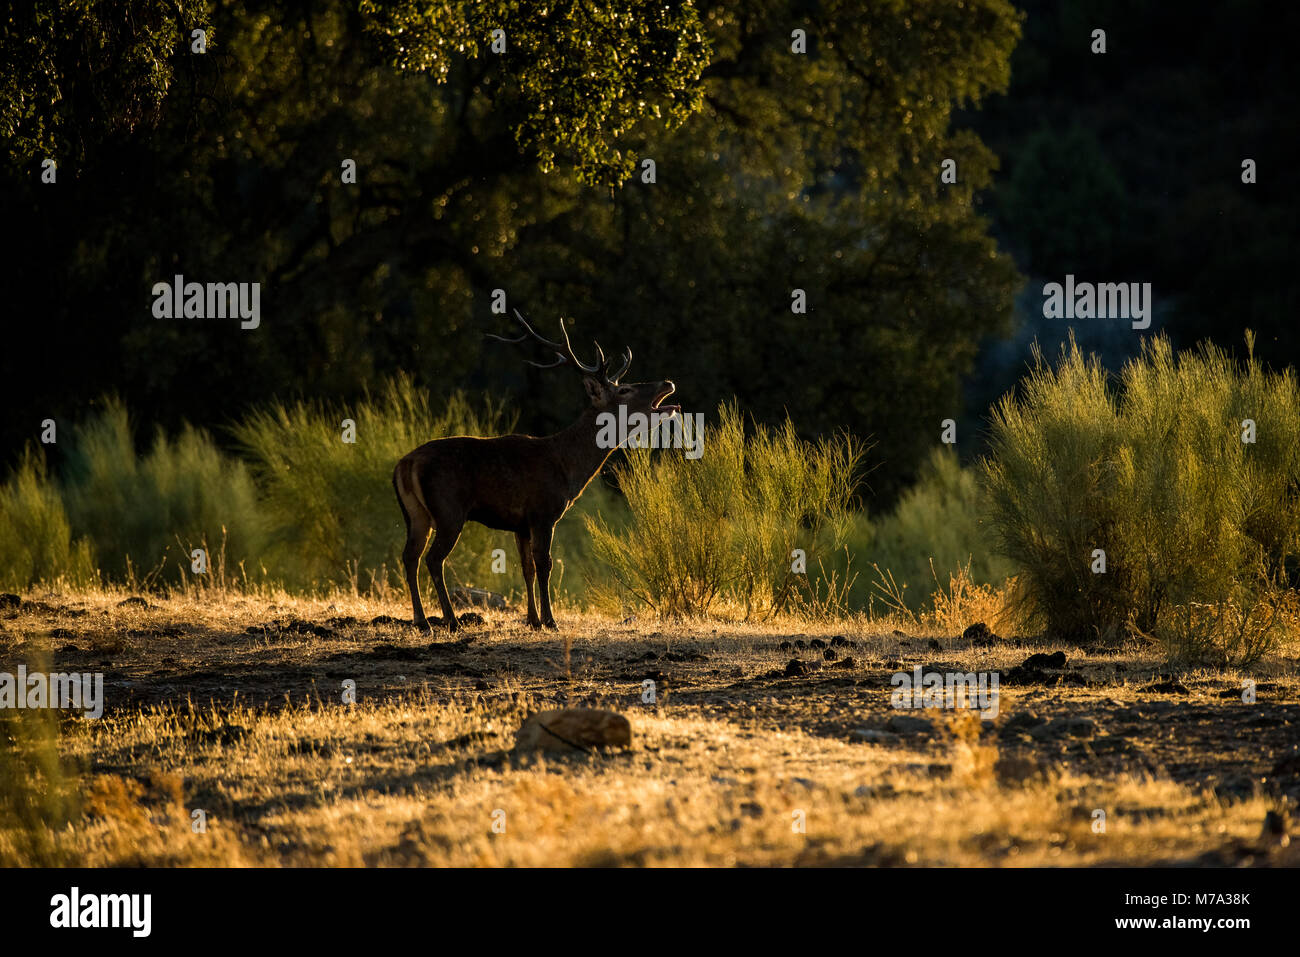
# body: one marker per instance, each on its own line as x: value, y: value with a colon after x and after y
x: 573, y: 729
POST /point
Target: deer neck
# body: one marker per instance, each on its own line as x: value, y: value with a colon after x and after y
x: 580, y: 457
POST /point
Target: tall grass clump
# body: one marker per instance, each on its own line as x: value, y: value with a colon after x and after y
x: 39, y: 789
x: 723, y: 528
x: 1199, y: 524
x: 333, y: 514
x: 36, y: 540
x: 145, y: 514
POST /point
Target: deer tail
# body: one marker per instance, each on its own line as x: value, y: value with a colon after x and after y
x: 406, y: 481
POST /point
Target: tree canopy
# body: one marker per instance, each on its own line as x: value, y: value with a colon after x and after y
x: 521, y: 169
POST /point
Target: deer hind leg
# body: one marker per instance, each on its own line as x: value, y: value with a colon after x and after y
x: 541, y: 542
x: 530, y: 573
x: 418, y: 525
x: 444, y: 540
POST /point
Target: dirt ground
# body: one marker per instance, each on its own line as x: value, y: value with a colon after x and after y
x: 226, y: 740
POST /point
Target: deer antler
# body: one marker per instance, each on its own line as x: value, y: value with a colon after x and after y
x: 627, y: 361
x: 564, y: 353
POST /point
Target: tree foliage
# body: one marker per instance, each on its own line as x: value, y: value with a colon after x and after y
x: 521, y: 171
x: 79, y: 72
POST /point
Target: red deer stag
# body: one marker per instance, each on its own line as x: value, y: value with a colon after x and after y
x: 516, y: 483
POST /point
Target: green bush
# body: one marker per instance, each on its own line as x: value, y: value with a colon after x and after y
x: 39, y: 789
x: 36, y: 540
x: 1154, y: 471
x: 146, y: 513
x: 330, y: 504
x: 723, y: 527
x: 307, y: 511
x: 935, y: 529
x: 333, y: 515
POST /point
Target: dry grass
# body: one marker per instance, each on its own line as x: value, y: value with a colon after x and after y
x: 250, y: 729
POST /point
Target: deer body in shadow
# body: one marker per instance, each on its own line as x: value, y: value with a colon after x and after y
x: 514, y: 483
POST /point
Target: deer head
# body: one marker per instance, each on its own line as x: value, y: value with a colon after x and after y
x: 604, y: 387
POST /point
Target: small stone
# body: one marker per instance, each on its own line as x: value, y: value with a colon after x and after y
x: 573, y: 729
x: 979, y: 635
x: 1055, y: 661
x: 1167, y: 684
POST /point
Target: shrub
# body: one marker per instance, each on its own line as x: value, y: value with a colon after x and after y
x: 330, y: 504
x: 310, y: 512
x: 39, y: 789
x: 1236, y: 630
x: 935, y: 530
x: 36, y: 541
x: 723, y: 527
x: 333, y: 515
x: 1153, y: 471
x: 149, y: 512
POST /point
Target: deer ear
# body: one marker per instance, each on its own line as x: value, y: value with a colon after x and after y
x: 595, y: 391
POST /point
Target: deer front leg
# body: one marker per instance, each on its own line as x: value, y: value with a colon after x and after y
x: 530, y: 572
x: 541, y: 541
x: 444, y: 540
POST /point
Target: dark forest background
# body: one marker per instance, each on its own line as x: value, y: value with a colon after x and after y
x: 521, y: 171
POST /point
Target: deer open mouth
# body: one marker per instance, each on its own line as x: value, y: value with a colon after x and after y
x: 670, y: 409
